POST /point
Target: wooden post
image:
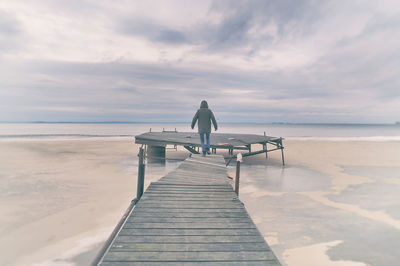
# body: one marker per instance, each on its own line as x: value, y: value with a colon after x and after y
x: 140, y: 180
x: 237, y: 178
x: 239, y: 159
x: 265, y: 147
x: 281, y: 147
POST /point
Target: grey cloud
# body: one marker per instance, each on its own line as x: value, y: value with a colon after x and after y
x: 152, y: 31
x: 151, y: 90
x: 11, y: 33
x: 233, y: 31
x: 354, y: 80
x: 76, y: 8
x: 9, y: 25
x: 95, y: 87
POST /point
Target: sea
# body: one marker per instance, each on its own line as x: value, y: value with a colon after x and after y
x: 26, y: 131
x: 300, y: 230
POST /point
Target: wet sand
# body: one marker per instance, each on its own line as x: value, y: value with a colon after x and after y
x: 61, y: 199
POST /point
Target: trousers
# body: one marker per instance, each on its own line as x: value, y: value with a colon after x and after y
x: 202, y: 142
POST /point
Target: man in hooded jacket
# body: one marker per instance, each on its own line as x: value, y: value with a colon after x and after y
x: 205, y: 117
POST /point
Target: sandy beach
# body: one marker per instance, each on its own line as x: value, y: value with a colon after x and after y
x: 57, y: 193
x: 62, y: 198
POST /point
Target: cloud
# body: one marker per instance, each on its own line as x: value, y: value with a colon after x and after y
x: 10, y: 32
x: 256, y: 61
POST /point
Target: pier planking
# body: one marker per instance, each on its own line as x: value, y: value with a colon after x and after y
x: 191, y: 216
x: 157, y: 141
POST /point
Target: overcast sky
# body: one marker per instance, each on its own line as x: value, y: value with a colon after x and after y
x: 253, y: 61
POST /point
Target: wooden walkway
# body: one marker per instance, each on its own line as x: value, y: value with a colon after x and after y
x: 190, y: 217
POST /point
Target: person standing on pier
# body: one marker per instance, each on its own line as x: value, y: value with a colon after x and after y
x: 205, y: 117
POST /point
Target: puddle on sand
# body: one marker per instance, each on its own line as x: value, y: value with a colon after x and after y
x: 380, y: 195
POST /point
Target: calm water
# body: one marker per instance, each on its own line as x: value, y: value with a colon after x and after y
x: 290, y: 131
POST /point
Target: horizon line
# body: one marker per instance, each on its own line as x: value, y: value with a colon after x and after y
x: 188, y: 122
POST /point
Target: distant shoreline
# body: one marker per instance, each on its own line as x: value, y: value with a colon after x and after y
x: 188, y: 122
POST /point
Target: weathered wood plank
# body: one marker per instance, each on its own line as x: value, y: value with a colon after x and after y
x: 193, y: 204
x: 229, y: 247
x: 186, y: 199
x: 189, y: 256
x: 181, y: 210
x: 188, y: 239
x: 216, y: 207
x: 216, y: 263
x: 190, y: 225
x: 200, y: 215
x: 135, y: 219
x: 182, y: 197
x: 188, y: 186
x: 209, y: 205
x: 198, y: 232
x: 184, y: 192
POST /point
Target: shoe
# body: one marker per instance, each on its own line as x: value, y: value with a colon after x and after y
x: 203, y: 155
x: 208, y: 152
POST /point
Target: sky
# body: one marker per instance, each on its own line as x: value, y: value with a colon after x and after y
x: 299, y: 61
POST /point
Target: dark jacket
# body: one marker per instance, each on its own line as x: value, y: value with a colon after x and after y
x: 205, y: 116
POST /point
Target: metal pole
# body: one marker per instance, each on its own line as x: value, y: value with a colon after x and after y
x: 237, y: 178
x: 140, y: 180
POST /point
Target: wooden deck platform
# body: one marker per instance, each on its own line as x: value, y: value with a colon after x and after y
x: 230, y: 142
x: 191, y: 216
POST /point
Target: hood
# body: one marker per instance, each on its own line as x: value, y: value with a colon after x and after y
x: 204, y: 104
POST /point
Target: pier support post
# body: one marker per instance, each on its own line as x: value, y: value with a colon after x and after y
x: 265, y: 147
x: 140, y: 180
x: 237, y: 179
x: 281, y: 147
x: 155, y: 154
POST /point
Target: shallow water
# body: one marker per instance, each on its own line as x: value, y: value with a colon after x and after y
x: 295, y: 224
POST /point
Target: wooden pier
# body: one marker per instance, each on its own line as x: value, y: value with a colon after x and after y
x: 157, y: 141
x: 191, y: 216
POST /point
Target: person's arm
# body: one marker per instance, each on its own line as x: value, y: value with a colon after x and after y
x: 196, y: 116
x: 213, y: 120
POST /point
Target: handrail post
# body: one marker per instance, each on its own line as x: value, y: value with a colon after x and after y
x: 239, y: 159
x: 141, y: 168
